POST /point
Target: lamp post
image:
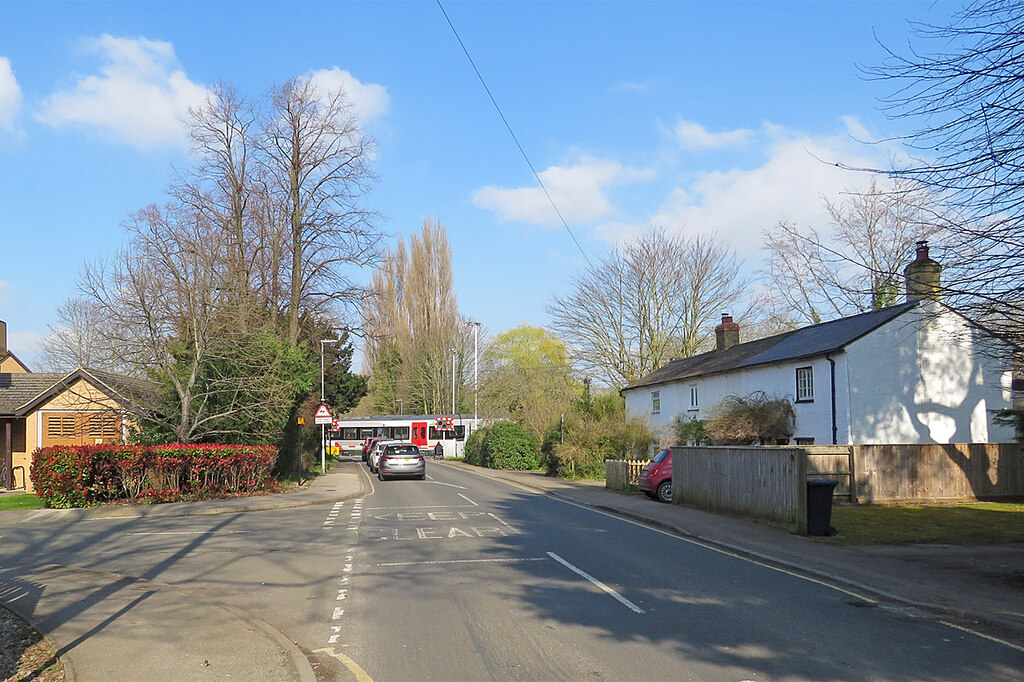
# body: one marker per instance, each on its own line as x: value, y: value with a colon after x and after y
x: 476, y: 369
x: 452, y: 351
x: 323, y: 427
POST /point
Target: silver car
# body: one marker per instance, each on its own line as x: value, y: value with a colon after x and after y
x: 401, y: 459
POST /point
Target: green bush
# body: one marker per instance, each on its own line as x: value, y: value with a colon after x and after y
x: 596, y: 430
x: 507, y: 446
x: 474, y: 445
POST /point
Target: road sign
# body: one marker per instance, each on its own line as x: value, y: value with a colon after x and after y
x: 323, y: 415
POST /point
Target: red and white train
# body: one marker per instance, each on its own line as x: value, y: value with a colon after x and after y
x: 347, y: 435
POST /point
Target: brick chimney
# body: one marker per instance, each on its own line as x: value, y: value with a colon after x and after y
x: 727, y: 334
x: 923, y: 276
x: 3, y: 337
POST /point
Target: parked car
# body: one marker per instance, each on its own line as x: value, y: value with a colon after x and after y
x: 656, y: 477
x: 401, y: 459
x: 376, y: 451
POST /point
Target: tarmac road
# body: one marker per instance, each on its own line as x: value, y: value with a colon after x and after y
x: 458, y: 577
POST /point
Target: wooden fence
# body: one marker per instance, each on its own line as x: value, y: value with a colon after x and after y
x: 623, y: 474
x: 762, y: 483
x: 888, y: 474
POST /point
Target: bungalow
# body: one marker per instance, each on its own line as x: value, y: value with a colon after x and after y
x: 80, y: 407
x: 916, y: 372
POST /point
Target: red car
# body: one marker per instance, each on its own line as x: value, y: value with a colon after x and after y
x: 656, y: 477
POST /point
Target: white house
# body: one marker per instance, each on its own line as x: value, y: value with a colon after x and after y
x: 916, y: 372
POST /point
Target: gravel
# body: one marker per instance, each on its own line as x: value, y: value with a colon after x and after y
x: 24, y: 654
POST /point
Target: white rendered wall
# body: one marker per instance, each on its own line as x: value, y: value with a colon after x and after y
x: 813, y: 419
x: 927, y: 377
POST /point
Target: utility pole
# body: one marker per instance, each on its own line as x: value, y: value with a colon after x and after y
x: 476, y: 371
x: 452, y: 351
x: 323, y: 427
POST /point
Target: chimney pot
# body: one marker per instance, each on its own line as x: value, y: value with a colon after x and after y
x: 727, y: 334
x: 923, y: 276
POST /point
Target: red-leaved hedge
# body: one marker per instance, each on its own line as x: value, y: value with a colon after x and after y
x: 84, y: 475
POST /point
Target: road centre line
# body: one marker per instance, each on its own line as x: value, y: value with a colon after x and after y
x: 463, y: 561
x: 450, y: 485
x: 625, y: 602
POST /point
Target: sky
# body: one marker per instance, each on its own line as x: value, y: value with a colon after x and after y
x: 718, y: 118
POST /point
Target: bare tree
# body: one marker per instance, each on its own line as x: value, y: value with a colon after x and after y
x: 412, y: 323
x: 316, y: 165
x: 167, y: 310
x: 650, y: 301
x: 962, y: 91
x: 77, y: 340
x: 858, y: 266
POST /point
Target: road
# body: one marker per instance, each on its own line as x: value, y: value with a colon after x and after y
x: 464, y: 577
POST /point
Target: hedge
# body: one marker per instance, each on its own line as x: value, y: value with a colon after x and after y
x: 83, y: 475
x: 507, y: 446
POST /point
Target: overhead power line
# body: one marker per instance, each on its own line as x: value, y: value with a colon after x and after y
x: 511, y: 132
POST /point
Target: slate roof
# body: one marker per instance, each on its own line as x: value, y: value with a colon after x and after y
x: 818, y: 339
x: 20, y: 393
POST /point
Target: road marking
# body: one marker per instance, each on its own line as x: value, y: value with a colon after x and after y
x: 424, y: 506
x: 628, y: 604
x: 463, y: 561
x: 450, y: 485
x: 982, y: 635
x: 191, y: 532
x: 467, y: 499
x: 360, y: 674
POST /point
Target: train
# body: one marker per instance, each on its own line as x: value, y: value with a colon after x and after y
x: 346, y: 435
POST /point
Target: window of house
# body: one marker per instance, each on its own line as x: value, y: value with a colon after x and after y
x: 655, y: 402
x: 60, y: 426
x: 694, y: 401
x: 804, y: 384
x: 805, y: 441
x: 104, y: 426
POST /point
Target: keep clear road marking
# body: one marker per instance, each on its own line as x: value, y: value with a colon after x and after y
x: 628, y: 604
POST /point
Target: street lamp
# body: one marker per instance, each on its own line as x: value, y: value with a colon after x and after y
x: 476, y: 369
x: 452, y: 351
x: 323, y: 427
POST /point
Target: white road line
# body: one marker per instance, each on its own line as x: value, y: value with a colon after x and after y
x: 193, y: 532
x: 467, y: 499
x: 463, y: 561
x: 625, y: 602
x: 450, y: 485
x: 425, y: 506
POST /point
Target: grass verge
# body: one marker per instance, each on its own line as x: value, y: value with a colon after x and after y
x: 24, y: 501
x: 979, y: 523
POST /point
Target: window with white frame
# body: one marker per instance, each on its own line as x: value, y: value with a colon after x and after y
x: 694, y: 402
x: 804, y: 384
x: 655, y: 402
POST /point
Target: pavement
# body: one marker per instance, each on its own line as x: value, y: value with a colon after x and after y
x: 967, y: 587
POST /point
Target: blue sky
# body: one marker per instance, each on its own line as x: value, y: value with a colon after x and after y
x: 714, y: 117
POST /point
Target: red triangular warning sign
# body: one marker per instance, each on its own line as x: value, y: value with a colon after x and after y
x: 322, y: 411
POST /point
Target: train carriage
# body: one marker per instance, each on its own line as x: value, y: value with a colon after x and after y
x: 347, y: 435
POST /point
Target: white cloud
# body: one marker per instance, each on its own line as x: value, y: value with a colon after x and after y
x: 737, y: 204
x: 139, y: 96
x: 629, y: 86
x: 10, y: 95
x: 368, y: 99
x: 25, y: 345
x: 579, y: 190
x: 692, y: 135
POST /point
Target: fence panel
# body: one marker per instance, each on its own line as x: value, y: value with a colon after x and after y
x: 959, y: 472
x: 623, y: 474
x: 763, y: 483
